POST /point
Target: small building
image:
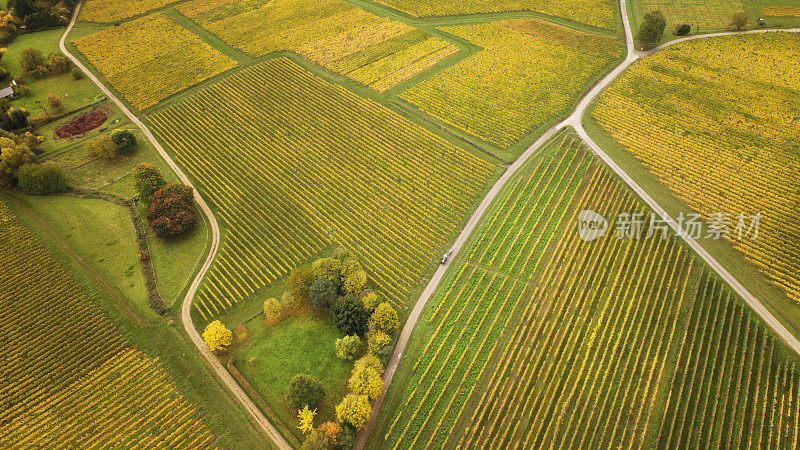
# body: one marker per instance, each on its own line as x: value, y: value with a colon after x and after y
x: 7, y: 92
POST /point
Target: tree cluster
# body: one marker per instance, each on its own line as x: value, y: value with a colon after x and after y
x: 44, y: 179
x: 120, y: 142
x: 18, y: 151
x: 172, y: 211
x: 42, y: 13
x: 35, y: 65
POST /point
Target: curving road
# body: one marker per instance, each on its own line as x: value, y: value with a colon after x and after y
x: 575, y: 120
x: 186, y: 318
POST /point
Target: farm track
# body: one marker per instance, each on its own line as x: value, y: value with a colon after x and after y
x: 216, y: 366
x: 574, y: 120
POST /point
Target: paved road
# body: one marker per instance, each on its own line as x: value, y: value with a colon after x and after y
x: 575, y: 120
x: 186, y: 318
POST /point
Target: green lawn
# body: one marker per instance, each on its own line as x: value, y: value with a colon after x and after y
x: 272, y: 355
x: 78, y: 93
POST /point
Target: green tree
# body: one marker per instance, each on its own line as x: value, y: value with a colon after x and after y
x: 101, y: 147
x: 354, y: 410
x: 147, y: 179
x: 299, y: 282
x: 651, y: 30
x: 348, y: 347
x: 739, y: 20
x: 32, y: 62
x: 385, y: 318
x: 18, y: 117
x: 350, y: 315
x: 329, y: 268
x: 41, y: 179
x: 11, y: 159
x: 125, y: 141
x: 305, y: 390
x: 322, y: 293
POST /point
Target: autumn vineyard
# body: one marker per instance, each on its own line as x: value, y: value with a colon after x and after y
x: 399, y: 224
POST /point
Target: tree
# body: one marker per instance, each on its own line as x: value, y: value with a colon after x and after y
x: 652, y: 29
x: 58, y: 63
x: 41, y: 179
x: 216, y: 336
x: 305, y: 390
x: 299, y: 282
x: 371, y: 300
x: 306, y: 417
x: 101, y: 147
x: 171, y: 213
x: 365, y: 380
x: 32, y: 62
x: 385, y: 319
x: 354, y: 282
x: 241, y: 332
x: 348, y: 347
x: 22, y: 8
x: 147, y: 179
x: 322, y: 293
x: 12, y: 157
x: 329, y: 268
x: 54, y: 101
x: 272, y: 311
x: 739, y: 20
x: 350, y: 315
x: 331, y: 432
x: 354, y: 410
x: 682, y: 29
x: 370, y: 360
x: 377, y: 342
x: 345, y: 439
x: 315, y: 441
x: 125, y: 141
x: 18, y: 117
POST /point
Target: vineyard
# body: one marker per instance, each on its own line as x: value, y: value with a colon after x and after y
x: 107, y: 11
x: 500, y: 94
x: 598, y: 13
x: 374, y: 51
x: 781, y: 11
x: 152, y: 58
x: 715, y: 120
x: 539, y: 338
x: 69, y: 378
x: 293, y: 165
x: 703, y: 15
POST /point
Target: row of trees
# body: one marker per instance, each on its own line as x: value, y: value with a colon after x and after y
x: 171, y: 209
x: 19, y: 167
x: 34, y: 64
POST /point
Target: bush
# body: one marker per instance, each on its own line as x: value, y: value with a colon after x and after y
x: 12, y: 157
x: 58, y: 63
x: 31, y: 61
x: 125, y: 141
x: 683, y: 29
x: 365, y: 380
x: 77, y: 74
x: 348, y: 347
x: 739, y: 20
x: 171, y: 213
x: 322, y: 294
x: 345, y: 439
x: 147, y: 179
x: 4, y: 75
x: 272, y: 311
x: 305, y: 390
x: 370, y: 360
x: 378, y: 343
x: 370, y: 299
x: 18, y: 117
x: 21, y: 90
x: 355, y: 282
x: 288, y: 300
x: 651, y: 30
x: 354, y: 410
x: 101, y: 147
x: 54, y: 101
x: 41, y: 179
x: 385, y: 318
x: 329, y: 268
x: 299, y: 282
x: 350, y: 315
x: 241, y: 333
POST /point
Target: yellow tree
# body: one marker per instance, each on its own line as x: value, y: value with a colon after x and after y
x: 385, y: 318
x: 365, y: 380
x: 217, y: 337
x: 354, y: 409
x: 306, y: 417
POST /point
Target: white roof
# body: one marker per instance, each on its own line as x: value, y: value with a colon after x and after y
x: 6, y: 92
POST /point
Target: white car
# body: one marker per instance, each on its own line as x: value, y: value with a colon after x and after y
x: 445, y: 256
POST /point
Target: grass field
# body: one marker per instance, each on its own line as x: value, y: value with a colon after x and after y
x: 374, y: 51
x: 272, y: 355
x: 720, y: 133
x: 501, y: 93
x: 539, y: 338
x: 293, y: 165
x: 597, y: 13
x: 152, y: 58
x: 106, y: 11
x: 82, y: 385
